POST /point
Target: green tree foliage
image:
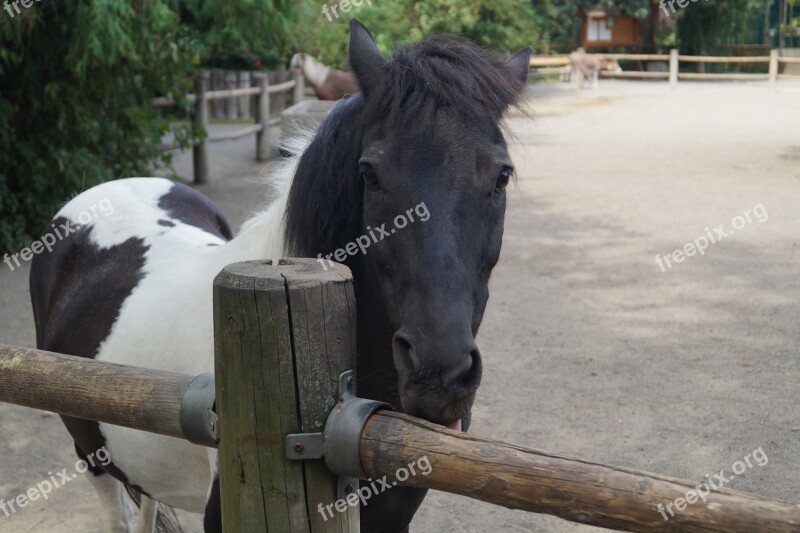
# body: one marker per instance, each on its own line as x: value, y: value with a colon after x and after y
x: 75, y: 77
x: 506, y: 25
x: 793, y: 27
x: 243, y: 34
x: 703, y: 26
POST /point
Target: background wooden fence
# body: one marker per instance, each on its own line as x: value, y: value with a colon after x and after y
x: 546, y: 66
x: 231, y: 104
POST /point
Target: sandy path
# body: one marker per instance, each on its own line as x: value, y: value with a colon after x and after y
x: 589, y: 348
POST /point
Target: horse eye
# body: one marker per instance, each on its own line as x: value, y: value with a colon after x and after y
x: 368, y: 174
x: 504, y: 177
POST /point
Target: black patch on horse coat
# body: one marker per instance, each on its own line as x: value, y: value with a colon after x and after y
x: 212, y: 518
x: 167, y: 223
x: 193, y: 208
x: 77, y: 291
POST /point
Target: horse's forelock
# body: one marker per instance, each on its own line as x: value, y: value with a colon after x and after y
x: 443, y: 72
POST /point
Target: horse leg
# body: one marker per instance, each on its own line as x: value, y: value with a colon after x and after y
x: 116, y: 513
x: 147, y: 517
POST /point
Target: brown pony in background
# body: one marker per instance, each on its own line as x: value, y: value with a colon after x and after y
x: 328, y: 83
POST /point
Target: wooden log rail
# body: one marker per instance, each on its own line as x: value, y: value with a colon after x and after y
x: 573, y: 489
x: 147, y: 400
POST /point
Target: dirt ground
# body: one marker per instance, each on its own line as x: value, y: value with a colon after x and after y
x: 590, y: 349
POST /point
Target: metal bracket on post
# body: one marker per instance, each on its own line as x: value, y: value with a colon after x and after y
x: 340, y: 440
x: 198, y: 419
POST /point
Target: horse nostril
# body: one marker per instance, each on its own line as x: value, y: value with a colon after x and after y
x: 404, y: 353
x: 467, y: 372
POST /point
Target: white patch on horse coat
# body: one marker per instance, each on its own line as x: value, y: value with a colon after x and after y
x: 167, y: 322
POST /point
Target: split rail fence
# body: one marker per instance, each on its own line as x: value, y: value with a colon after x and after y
x: 261, y: 90
x: 545, y: 66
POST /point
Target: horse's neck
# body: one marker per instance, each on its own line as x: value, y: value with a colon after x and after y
x: 315, y: 71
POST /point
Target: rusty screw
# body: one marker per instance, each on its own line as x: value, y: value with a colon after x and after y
x: 298, y: 447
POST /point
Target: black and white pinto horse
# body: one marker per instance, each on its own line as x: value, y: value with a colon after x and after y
x: 135, y: 288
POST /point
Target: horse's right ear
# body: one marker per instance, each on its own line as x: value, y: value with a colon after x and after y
x: 365, y: 58
x: 520, y: 64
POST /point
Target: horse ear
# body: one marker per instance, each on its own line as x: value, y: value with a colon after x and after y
x: 520, y: 64
x: 365, y: 58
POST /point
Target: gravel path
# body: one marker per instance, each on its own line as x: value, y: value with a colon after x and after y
x: 590, y: 349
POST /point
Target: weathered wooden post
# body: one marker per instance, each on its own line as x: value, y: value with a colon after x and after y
x: 200, y: 149
x: 773, y: 68
x: 299, y: 86
x: 263, y: 148
x: 283, y: 334
x: 673, y: 68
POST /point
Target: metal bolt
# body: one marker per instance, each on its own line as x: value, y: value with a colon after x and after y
x: 298, y: 447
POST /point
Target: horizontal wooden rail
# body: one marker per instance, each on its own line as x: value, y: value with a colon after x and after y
x: 243, y: 132
x: 721, y: 76
x: 573, y: 489
x: 147, y: 400
x: 231, y: 93
x: 549, y: 61
x: 281, y: 87
x: 720, y: 59
x: 795, y: 60
x: 634, y: 74
x: 639, y: 57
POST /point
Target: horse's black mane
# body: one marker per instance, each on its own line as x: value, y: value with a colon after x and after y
x: 444, y: 72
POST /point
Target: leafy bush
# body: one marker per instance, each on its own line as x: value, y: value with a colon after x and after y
x: 75, y: 79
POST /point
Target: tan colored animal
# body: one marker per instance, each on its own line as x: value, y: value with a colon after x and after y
x: 328, y: 83
x: 588, y: 66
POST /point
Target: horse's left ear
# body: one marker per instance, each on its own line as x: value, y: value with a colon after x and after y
x: 365, y: 58
x: 519, y: 65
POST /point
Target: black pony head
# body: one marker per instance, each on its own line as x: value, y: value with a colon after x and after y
x: 405, y: 183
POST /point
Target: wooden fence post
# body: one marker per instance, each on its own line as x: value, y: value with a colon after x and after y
x: 282, y: 336
x: 299, y: 86
x: 773, y: 68
x: 200, y: 149
x: 263, y: 148
x: 673, y: 68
